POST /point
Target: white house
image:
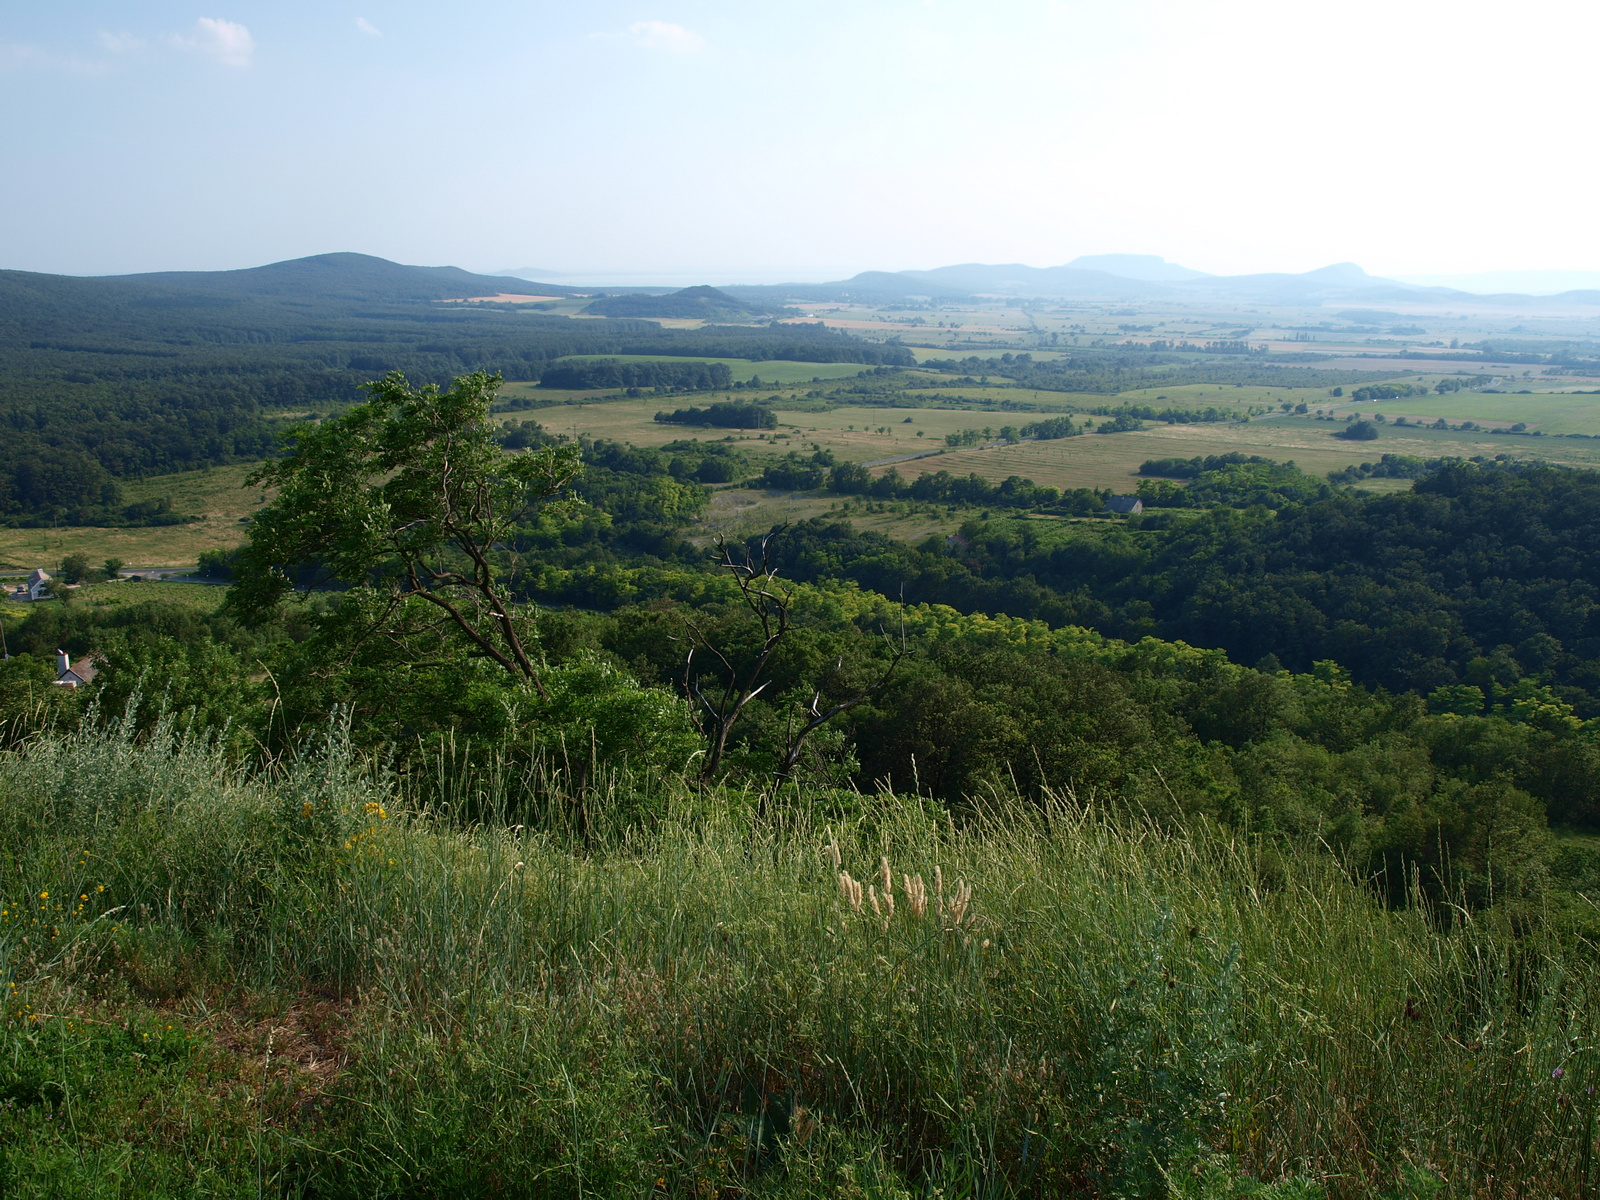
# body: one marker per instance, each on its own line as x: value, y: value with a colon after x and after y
x: 38, y: 584
x: 74, y: 674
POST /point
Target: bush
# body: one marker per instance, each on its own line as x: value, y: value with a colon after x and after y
x: 1358, y: 431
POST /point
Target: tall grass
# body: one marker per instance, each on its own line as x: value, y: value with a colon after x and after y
x: 694, y: 1005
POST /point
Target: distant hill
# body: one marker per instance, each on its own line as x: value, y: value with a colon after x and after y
x: 1127, y: 278
x: 1151, y: 268
x: 702, y: 303
x: 345, y: 277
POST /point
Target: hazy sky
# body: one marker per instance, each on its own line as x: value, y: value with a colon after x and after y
x: 808, y: 139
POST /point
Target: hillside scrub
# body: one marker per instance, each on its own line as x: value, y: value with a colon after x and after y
x: 295, y: 981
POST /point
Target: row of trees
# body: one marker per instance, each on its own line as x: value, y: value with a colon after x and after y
x: 612, y: 373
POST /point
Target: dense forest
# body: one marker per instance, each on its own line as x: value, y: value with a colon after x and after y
x: 665, y: 376
x: 1478, y: 577
x: 108, y: 379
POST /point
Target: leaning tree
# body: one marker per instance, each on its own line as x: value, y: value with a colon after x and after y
x: 409, y: 504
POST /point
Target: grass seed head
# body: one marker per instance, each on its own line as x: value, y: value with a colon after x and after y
x: 959, y: 899
x: 916, y: 894
x: 832, y: 849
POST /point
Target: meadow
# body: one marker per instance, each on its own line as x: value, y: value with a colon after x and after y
x: 216, y: 494
x: 1549, y: 412
x: 855, y: 433
x: 1112, y: 460
x: 315, y: 979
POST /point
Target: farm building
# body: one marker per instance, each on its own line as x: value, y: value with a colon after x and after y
x: 1127, y: 506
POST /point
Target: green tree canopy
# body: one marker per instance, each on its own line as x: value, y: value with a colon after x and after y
x: 409, y: 503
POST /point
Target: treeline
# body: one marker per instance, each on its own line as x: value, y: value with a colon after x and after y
x: 1188, y: 468
x: 1051, y: 428
x: 821, y: 470
x: 1393, y: 466
x: 943, y: 487
x: 663, y: 376
x: 1395, y: 391
x: 1244, y: 484
x: 734, y: 414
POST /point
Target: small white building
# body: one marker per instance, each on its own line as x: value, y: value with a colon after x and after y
x: 1127, y: 506
x: 74, y: 674
x: 38, y: 584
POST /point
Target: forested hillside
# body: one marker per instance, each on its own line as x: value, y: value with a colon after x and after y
x: 106, y: 379
x: 1480, y: 576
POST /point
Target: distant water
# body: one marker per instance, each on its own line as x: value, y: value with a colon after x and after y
x: 1528, y: 283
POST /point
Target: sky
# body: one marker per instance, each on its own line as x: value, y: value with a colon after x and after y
x: 731, y: 141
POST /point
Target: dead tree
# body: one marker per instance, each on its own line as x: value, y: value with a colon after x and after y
x: 771, y: 608
x: 817, y: 716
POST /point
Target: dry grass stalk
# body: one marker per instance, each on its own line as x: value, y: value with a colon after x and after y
x: 957, y: 907
x: 916, y: 894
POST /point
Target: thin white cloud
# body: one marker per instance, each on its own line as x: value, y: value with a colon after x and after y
x: 664, y: 35
x: 368, y: 28
x: 227, y: 42
x: 121, y: 43
x: 26, y: 56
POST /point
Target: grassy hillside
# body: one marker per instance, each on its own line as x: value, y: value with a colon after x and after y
x: 297, y: 982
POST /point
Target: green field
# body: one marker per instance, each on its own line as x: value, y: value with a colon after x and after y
x: 1112, y: 460
x: 1551, y: 412
x: 868, y: 434
x: 742, y: 512
x: 862, y: 433
x: 217, y: 495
